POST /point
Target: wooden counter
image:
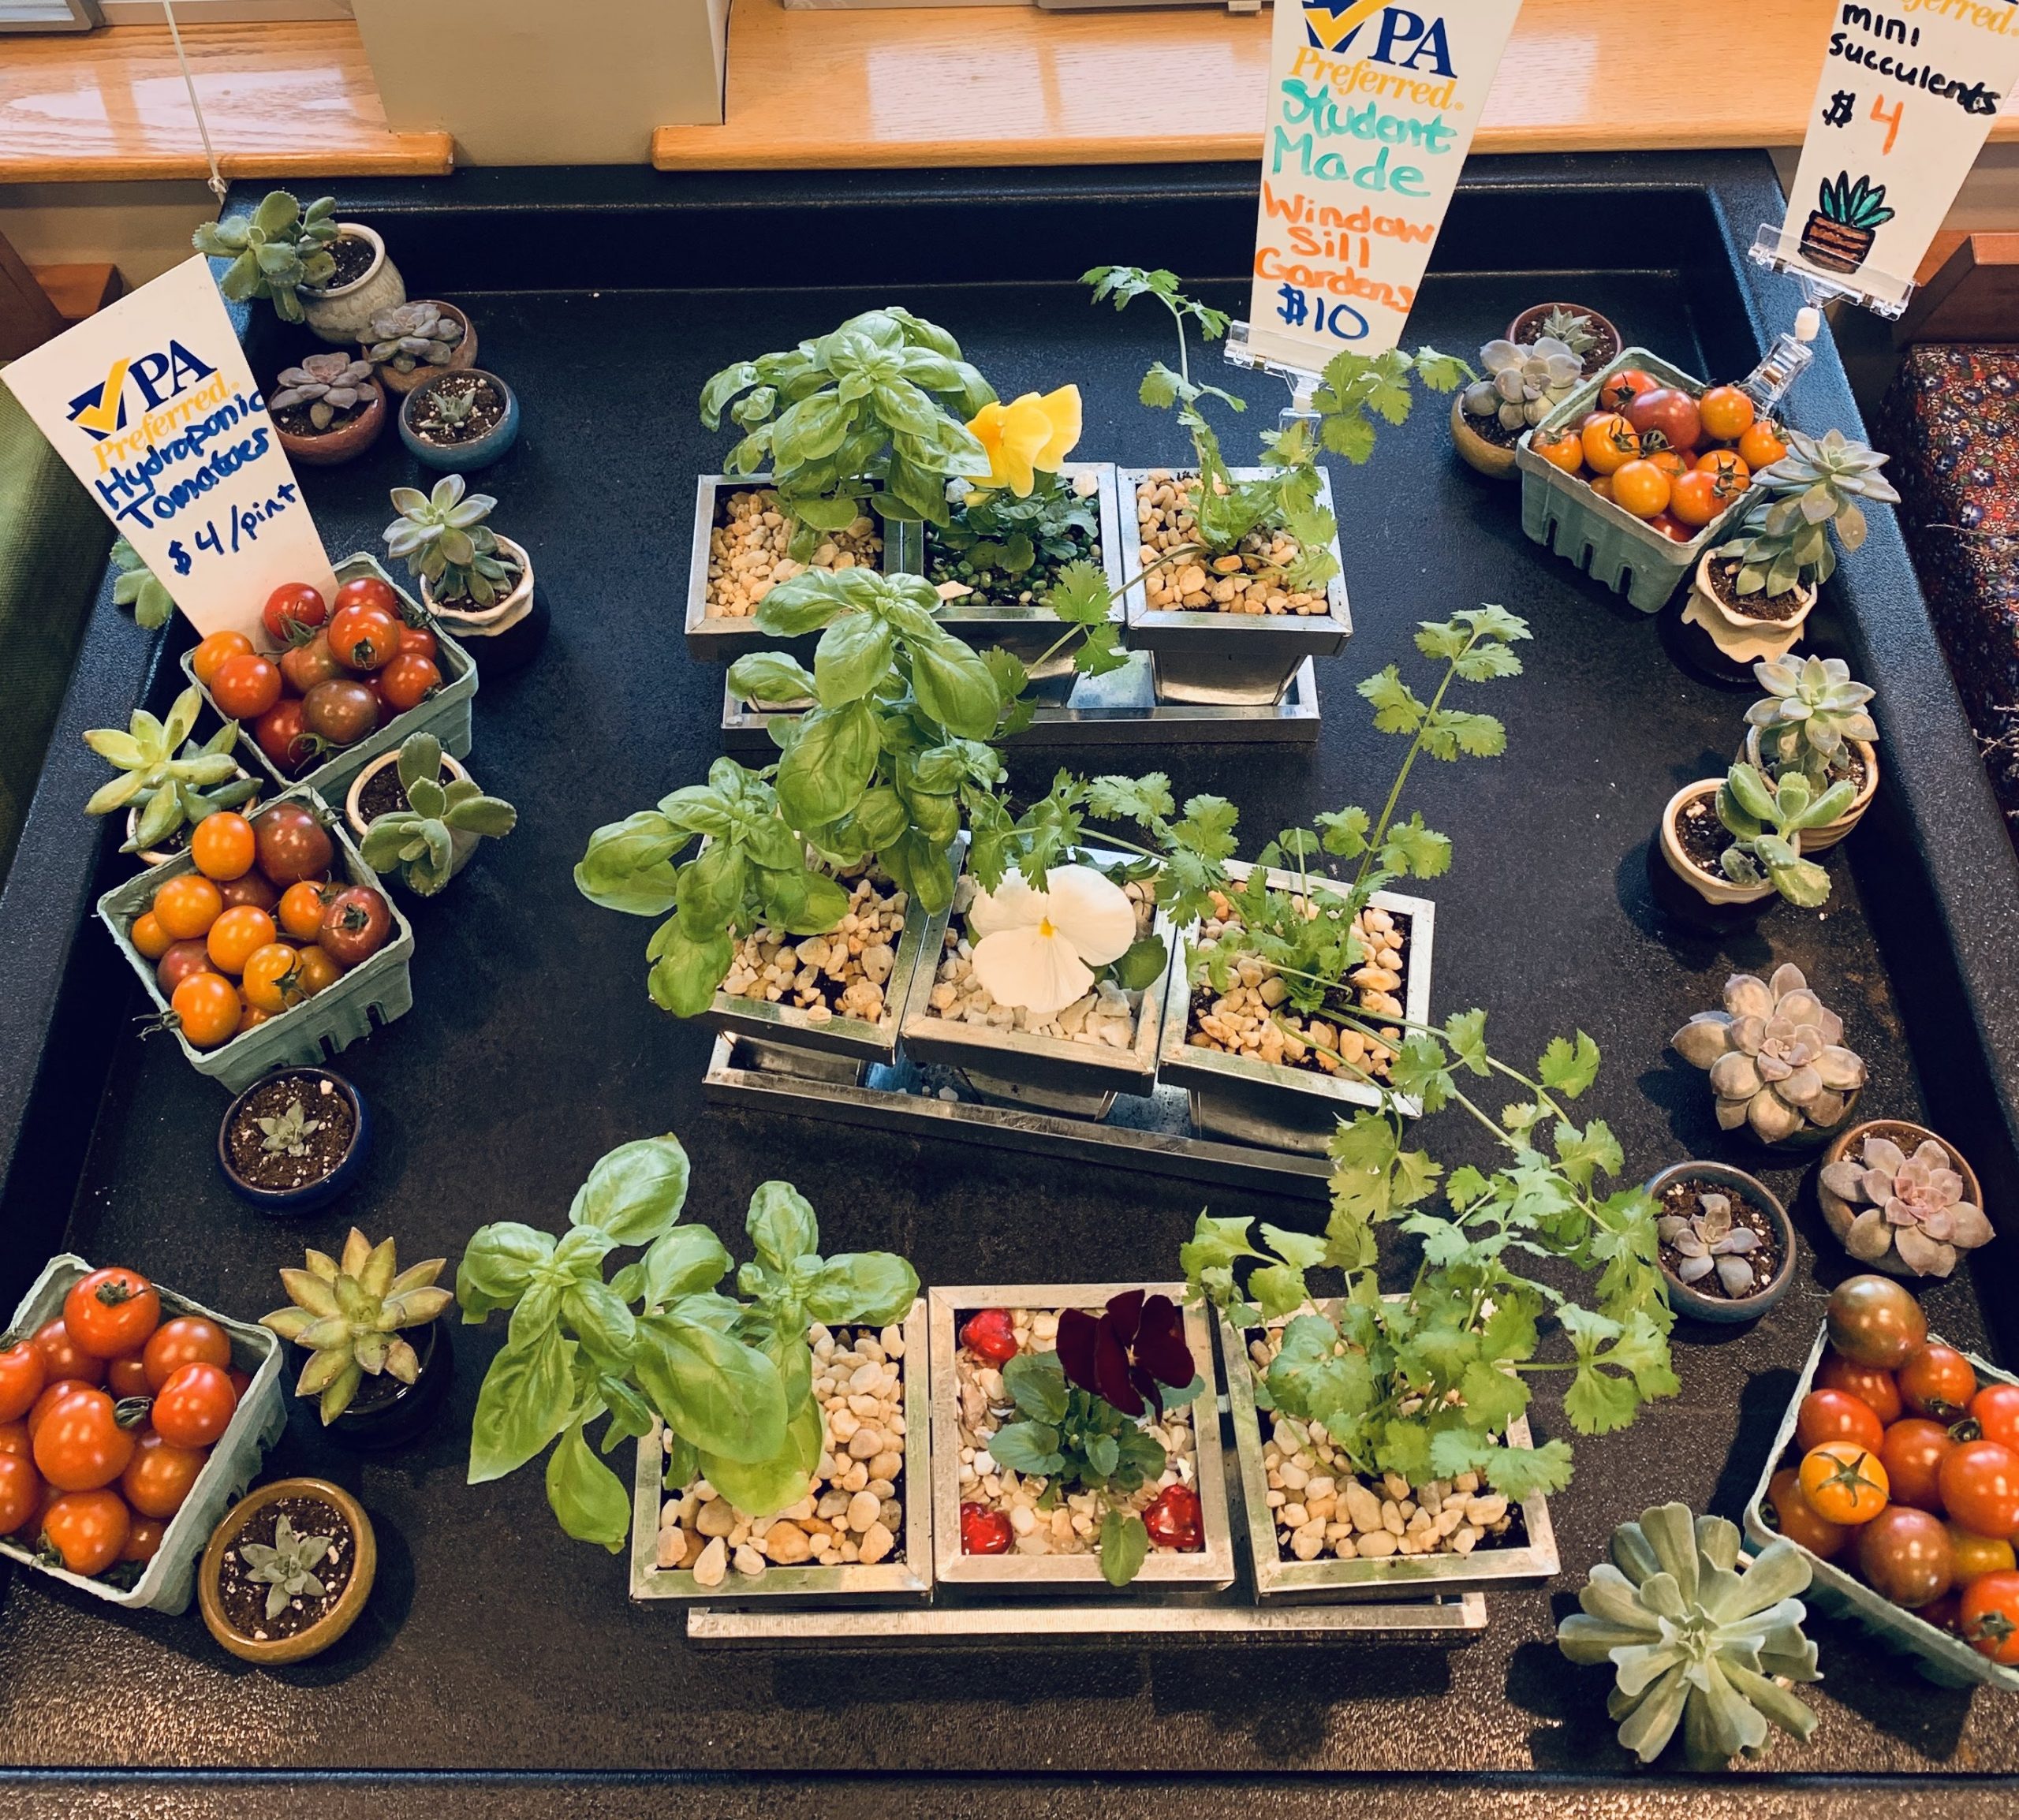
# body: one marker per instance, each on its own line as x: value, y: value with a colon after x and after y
x: 1013, y: 85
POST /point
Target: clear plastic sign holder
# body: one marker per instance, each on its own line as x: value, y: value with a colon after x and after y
x: 1304, y: 384
x: 1779, y: 251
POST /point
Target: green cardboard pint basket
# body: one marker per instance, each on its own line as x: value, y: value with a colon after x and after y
x: 375, y: 991
x: 1622, y: 552
x: 256, y: 1424
x: 446, y: 714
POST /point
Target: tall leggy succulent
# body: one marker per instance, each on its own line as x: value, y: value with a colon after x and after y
x: 1775, y: 1056
x: 1810, y: 712
x: 1523, y: 384
x: 1696, y: 1637
x: 274, y: 251
x: 1796, y: 501
x: 1765, y: 822
x: 349, y: 1312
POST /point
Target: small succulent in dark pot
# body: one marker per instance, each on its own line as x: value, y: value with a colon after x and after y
x: 294, y: 1140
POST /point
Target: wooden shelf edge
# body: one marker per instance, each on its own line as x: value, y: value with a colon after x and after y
x: 405, y: 155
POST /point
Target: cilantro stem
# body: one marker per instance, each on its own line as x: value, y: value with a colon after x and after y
x: 1379, y: 834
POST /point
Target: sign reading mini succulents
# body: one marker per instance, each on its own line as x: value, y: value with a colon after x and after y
x: 1371, y: 108
x: 1908, y: 93
x: 151, y: 404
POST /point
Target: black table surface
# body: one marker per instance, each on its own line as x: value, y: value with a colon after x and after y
x: 492, y: 1643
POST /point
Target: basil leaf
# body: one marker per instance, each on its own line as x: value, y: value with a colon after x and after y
x: 685, y: 972
x: 782, y: 1227
x: 681, y: 1260
x: 723, y: 1396
x: 804, y: 604
x: 879, y: 817
x: 853, y: 656
x: 601, y: 1322
x: 635, y: 1192
x: 527, y: 1398
x: 770, y: 677
x: 498, y: 1267
x: 587, y: 1495
x: 770, y: 843
x: 874, y: 1287
x: 709, y: 886
x: 758, y: 1488
x: 953, y: 686
x: 628, y: 864
x: 829, y: 764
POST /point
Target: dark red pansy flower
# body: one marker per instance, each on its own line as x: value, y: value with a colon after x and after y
x: 1125, y: 1354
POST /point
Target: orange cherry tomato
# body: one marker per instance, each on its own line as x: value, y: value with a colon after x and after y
x: 1843, y: 1483
x: 88, y: 1529
x: 237, y: 935
x: 1760, y: 445
x: 302, y: 905
x: 209, y: 656
x: 195, y: 1406
x: 1610, y: 443
x: 143, y: 1537
x: 1693, y: 498
x: 207, y: 1009
x: 111, y: 1312
x: 1603, y: 485
x: 319, y: 970
x: 1563, y: 449
x: 1727, y: 463
x: 80, y: 1445
x: 149, y: 937
x: 223, y: 846
x: 187, y: 905
x: 23, y: 1372
x: 246, y: 686
x: 272, y: 979
x: 187, y: 1339
x: 15, y: 1438
x: 159, y: 1478
x: 20, y: 1492
x: 1797, y: 1522
x: 1641, y: 488
x: 127, y: 1376
x: 1975, y: 1555
x: 62, y: 1357
x: 250, y: 1016
x: 1669, y: 461
x: 1726, y: 412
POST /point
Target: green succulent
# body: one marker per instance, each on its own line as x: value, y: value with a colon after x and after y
x: 1573, y: 328
x: 1810, y: 712
x: 170, y: 780
x: 444, y: 541
x: 288, y: 1134
x: 275, y: 250
x: 1697, y: 1638
x: 1764, y: 819
x: 135, y: 586
x: 349, y: 1312
x: 287, y: 1568
x: 419, y: 841
x: 1816, y: 485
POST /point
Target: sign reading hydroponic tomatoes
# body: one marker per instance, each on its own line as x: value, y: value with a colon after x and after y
x: 153, y: 406
x: 1371, y: 108
x: 1908, y: 93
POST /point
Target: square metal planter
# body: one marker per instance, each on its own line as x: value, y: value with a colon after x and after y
x: 1398, y: 1575
x: 1046, y: 1073
x: 882, y: 1582
x: 1210, y: 1569
x: 1269, y: 1103
x: 1230, y: 659
x: 1942, y: 1658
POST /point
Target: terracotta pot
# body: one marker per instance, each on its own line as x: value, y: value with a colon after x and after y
x: 463, y: 354
x: 1489, y: 458
x: 1714, y: 888
x: 1743, y: 640
x: 345, y: 442
x: 275, y: 1651
x: 1838, y: 1212
x: 344, y: 313
x: 461, y: 845
x: 1821, y: 840
x: 1726, y: 1309
x: 1599, y: 355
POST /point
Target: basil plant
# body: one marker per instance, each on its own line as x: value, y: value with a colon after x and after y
x: 731, y: 1378
x: 872, y: 415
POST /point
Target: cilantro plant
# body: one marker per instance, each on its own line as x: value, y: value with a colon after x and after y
x: 1424, y: 1384
x: 873, y: 415
x: 1359, y: 388
x: 732, y: 1380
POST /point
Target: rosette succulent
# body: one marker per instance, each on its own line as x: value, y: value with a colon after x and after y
x: 326, y: 383
x: 1775, y: 1056
x: 274, y: 251
x: 1523, y: 383
x: 411, y: 335
x: 349, y: 1312
x: 1711, y: 1239
x: 1575, y: 329
x: 1810, y: 712
x: 165, y: 778
x: 1912, y: 1206
x: 1697, y: 1637
x: 1796, y: 501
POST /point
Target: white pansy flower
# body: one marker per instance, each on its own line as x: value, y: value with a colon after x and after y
x: 1037, y: 949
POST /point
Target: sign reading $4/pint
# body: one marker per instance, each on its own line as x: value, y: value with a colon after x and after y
x: 1372, y: 108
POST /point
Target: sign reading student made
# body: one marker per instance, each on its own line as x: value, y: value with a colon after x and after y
x: 151, y: 404
x: 1371, y: 108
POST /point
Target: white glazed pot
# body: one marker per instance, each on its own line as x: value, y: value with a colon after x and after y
x: 466, y: 623
x: 1712, y: 887
x: 461, y: 844
x: 343, y: 315
x: 1821, y: 840
x: 1742, y: 640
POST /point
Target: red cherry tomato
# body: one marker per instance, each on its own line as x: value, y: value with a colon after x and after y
x: 194, y: 1408
x: 311, y: 662
x: 364, y: 635
x: 284, y: 736
x: 143, y: 1537
x: 23, y: 1373
x: 294, y: 603
x: 409, y: 680
x: 80, y: 1445
x: 20, y: 1492
x: 111, y: 1312
x: 15, y: 1438
x: 1904, y: 1555
x: 128, y: 1377
x: 1937, y: 1381
x: 53, y: 1394
x: 1172, y: 1518
x: 1669, y: 413
x: 356, y: 925
x: 88, y: 1529
x: 368, y: 591
x: 245, y: 687
x: 1979, y: 1487
x: 991, y: 1334
x: 293, y: 845
x: 984, y: 1531
x: 159, y: 1478
x: 182, y: 959
x: 1995, y: 1411
x: 420, y: 640
x: 1622, y: 388
x: 1837, y: 1415
x: 251, y: 892
x: 61, y: 1356
x: 1990, y: 1616
x: 1868, y: 1384
x: 1670, y: 526
x: 187, y: 1339
x: 1912, y: 1453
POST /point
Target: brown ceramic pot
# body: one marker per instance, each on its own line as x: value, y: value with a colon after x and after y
x: 346, y: 441
x: 1838, y: 1212
x: 274, y: 1652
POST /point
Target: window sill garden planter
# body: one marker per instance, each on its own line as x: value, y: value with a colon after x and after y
x: 1504, y: 1546
x: 1942, y: 1658
x: 278, y: 1183
x: 341, y: 442
x: 1076, y: 1074
x: 234, y: 1607
x: 1744, y: 639
x: 669, y: 1557
x: 461, y: 357
x: 342, y: 313
x: 1621, y: 552
x: 1288, y: 1105
x: 734, y: 546
x: 961, y: 1401
x: 504, y: 636
x: 167, y: 1581
x: 1840, y: 1213
x: 494, y: 425
x: 446, y: 714
x: 373, y: 993
x: 1769, y: 1261
x: 1226, y: 658
x: 1817, y: 840
x: 1685, y: 880
x: 461, y: 843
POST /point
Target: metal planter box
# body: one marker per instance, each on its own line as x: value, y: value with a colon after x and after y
x: 1398, y: 1575
x: 1230, y: 659
x: 1622, y: 552
x: 1210, y: 1569
x: 1946, y: 1660
x: 446, y: 714
x: 1047, y: 1073
x: 895, y: 1581
x: 256, y: 1424
x: 374, y: 992
x: 1268, y: 1102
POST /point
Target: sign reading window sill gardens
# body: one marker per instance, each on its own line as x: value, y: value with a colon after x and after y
x: 1372, y: 108
x: 153, y: 406
x: 1906, y: 98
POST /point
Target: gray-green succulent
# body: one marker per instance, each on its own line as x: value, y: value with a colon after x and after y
x: 1697, y: 1637
x: 443, y: 539
x: 1523, y: 383
x: 135, y: 586
x: 274, y: 251
x: 328, y: 384
x: 1809, y: 715
x: 422, y: 842
x: 411, y: 335
x: 287, y: 1567
x: 1785, y: 540
x: 1575, y: 329
x: 287, y: 1133
x: 1766, y: 821
x: 170, y: 781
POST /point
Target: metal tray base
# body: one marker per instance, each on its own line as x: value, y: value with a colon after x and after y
x: 1119, y: 709
x: 1154, y: 1134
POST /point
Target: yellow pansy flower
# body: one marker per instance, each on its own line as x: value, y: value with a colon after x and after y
x: 1027, y: 437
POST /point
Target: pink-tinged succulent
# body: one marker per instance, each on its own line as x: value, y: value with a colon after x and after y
x: 1711, y: 1240
x: 1775, y: 1056
x: 1912, y: 1206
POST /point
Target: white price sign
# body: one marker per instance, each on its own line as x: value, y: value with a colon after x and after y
x: 153, y: 406
x: 1908, y: 93
x: 1372, y: 108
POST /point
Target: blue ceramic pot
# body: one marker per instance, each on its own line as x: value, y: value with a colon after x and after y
x: 1701, y: 1305
x: 311, y: 1194
x: 460, y: 457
